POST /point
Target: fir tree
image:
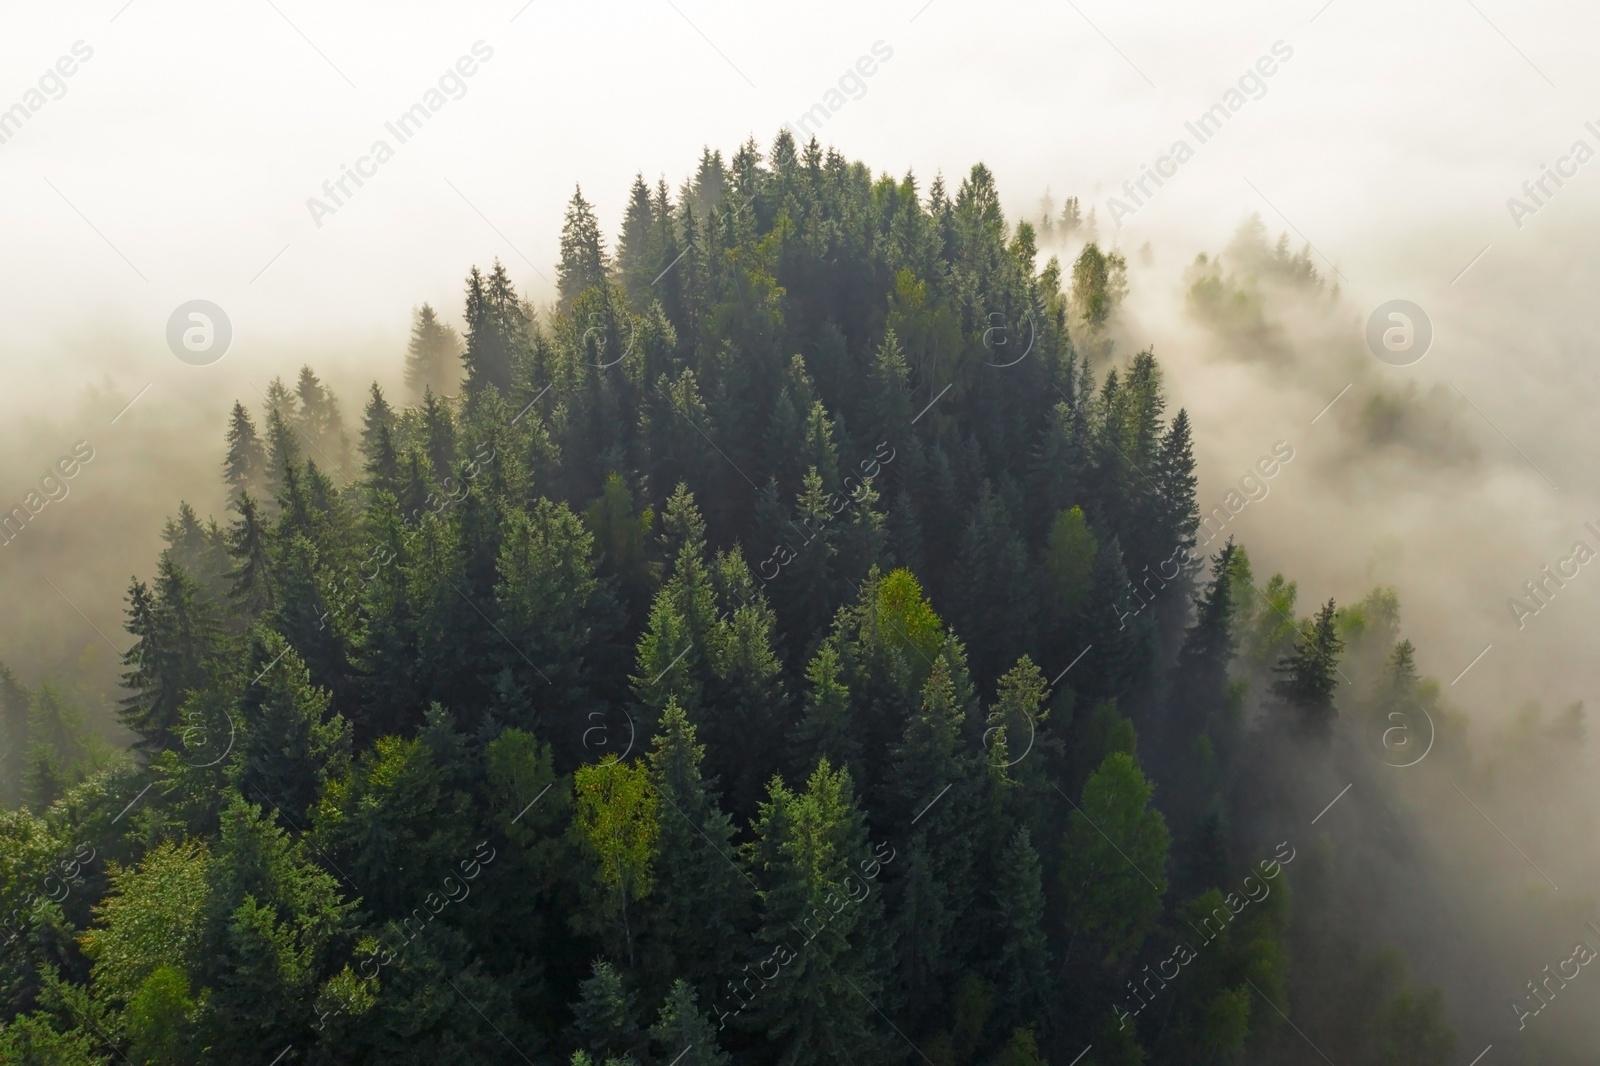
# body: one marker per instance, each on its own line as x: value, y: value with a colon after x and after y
x: 808, y: 851
x: 174, y: 654
x: 290, y: 742
x: 283, y: 451
x: 638, y: 252
x: 496, y: 331
x: 1021, y: 970
x: 605, y: 1016
x: 583, y: 257
x: 683, y: 1034
x: 1309, y: 675
x: 701, y: 904
x: 247, y: 461
x: 433, y: 355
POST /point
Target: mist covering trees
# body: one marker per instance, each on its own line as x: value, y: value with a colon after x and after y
x: 683, y: 676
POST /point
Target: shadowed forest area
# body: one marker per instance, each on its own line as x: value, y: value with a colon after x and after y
x: 801, y: 644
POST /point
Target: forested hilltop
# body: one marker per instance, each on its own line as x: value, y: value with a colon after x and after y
x: 798, y: 645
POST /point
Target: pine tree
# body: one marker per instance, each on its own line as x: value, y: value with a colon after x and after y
x: 290, y: 743
x: 638, y: 253
x: 1309, y: 675
x: 583, y: 257
x: 1021, y: 971
x: 283, y: 451
x: 174, y: 654
x: 825, y: 938
x: 247, y: 462
x: 701, y: 904
x: 605, y: 1016
x: 433, y: 355
x: 682, y: 1033
x: 496, y: 331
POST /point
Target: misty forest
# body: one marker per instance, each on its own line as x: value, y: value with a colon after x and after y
x: 803, y: 642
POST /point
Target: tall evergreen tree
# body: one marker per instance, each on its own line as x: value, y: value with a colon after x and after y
x: 283, y: 451
x: 806, y: 846
x: 496, y: 330
x: 682, y: 1034
x: 247, y: 461
x: 583, y: 257
x: 1309, y: 675
x: 433, y: 355
x: 174, y: 654
x: 290, y: 742
x: 701, y: 905
x: 638, y: 252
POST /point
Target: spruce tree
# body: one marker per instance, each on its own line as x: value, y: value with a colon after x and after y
x: 290, y: 743
x: 583, y: 257
x: 682, y: 1034
x: 375, y: 418
x: 638, y: 252
x: 606, y: 1018
x: 1309, y: 675
x: 1022, y: 964
x: 826, y: 729
x: 433, y: 355
x: 439, y: 430
x: 809, y: 851
x: 701, y: 906
x: 247, y: 461
x: 496, y: 331
x: 320, y: 423
x: 250, y: 579
x: 174, y: 654
x: 1200, y: 681
x: 1114, y: 874
x: 996, y: 600
x: 283, y: 451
